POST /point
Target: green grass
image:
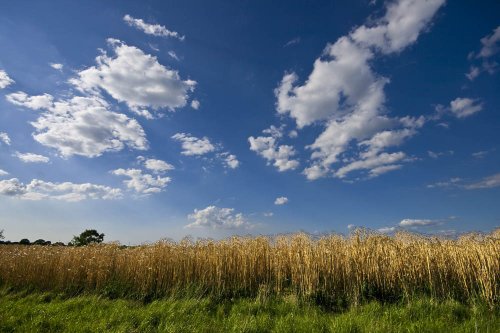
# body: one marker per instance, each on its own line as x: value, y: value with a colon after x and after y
x: 50, y: 312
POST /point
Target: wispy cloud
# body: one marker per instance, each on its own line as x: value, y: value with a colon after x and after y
x: 151, y: 29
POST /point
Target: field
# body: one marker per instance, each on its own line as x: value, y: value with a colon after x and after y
x: 332, y: 283
x: 50, y: 312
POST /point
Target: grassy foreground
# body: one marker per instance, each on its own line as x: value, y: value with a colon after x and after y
x: 51, y: 312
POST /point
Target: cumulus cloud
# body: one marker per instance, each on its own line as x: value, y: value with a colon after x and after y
x: 229, y: 160
x: 281, y: 156
x: 345, y: 95
x: 195, y: 104
x: 386, y: 230
x: 418, y: 223
x: 465, y: 107
x: 490, y: 48
x: 157, y: 166
x: 281, y: 201
x: 217, y: 218
x: 31, y: 158
x: 56, y: 66
x: 142, y: 183
x: 85, y: 126
x: 151, y: 29
x: 3, y: 173
x: 192, y: 145
x: 20, y: 98
x: 4, y: 137
x: 135, y: 78
x: 5, y: 80
x: 66, y: 191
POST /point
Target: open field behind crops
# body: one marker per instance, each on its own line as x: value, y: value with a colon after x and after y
x: 333, y: 270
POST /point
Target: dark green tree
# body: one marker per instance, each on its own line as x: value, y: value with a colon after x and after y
x: 41, y: 242
x: 89, y: 236
x: 1, y: 234
x: 25, y: 241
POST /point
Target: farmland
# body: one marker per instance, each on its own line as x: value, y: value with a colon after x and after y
x: 334, y: 270
x: 331, y: 283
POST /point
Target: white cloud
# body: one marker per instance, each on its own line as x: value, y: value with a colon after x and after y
x: 268, y: 214
x: 142, y: 183
x: 292, y: 42
x: 3, y: 173
x: 377, y: 171
x: 452, y: 182
x: 154, y: 47
x: 351, y: 226
x: 406, y: 223
x: 58, y: 67
x: 400, y: 27
x: 230, y: 160
x: 4, y: 137
x: 490, y: 48
x: 491, y: 44
x: 347, y: 97
x: 378, y: 164
x: 20, y: 98
x: 416, y: 224
x: 135, y: 78
x: 31, y: 158
x: 473, y: 73
x: 268, y: 148
x: 192, y: 145
x: 173, y: 55
x: 151, y: 29
x: 465, y: 107
x: 85, y: 126
x: 217, y: 218
x: 480, y: 154
x: 5, y: 80
x: 387, y: 230
x: 66, y: 191
x: 195, y: 104
x: 436, y: 155
x: 487, y: 182
x: 281, y: 201
x: 158, y: 166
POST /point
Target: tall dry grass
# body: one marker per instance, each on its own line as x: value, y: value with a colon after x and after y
x: 332, y: 267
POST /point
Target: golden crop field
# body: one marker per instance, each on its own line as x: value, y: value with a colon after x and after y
x: 349, y: 268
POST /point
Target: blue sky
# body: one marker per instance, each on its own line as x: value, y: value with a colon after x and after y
x: 160, y: 119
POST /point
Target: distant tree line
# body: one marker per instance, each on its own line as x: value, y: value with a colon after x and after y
x: 89, y: 236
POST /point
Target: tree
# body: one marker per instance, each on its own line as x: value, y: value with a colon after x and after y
x: 25, y: 241
x: 1, y: 234
x: 41, y: 242
x: 89, y: 236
